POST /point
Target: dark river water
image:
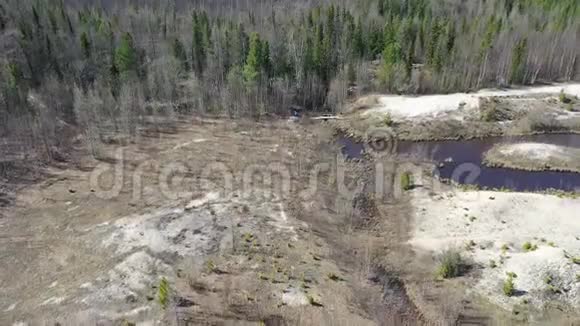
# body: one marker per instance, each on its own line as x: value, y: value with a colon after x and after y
x: 460, y: 161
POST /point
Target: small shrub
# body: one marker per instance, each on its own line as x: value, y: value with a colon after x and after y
x: 334, y: 277
x: 470, y: 244
x: 451, y: 264
x: 406, y: 181
x: 576, y: 260
x: 210, y: 266
x: 552, y: 284
x: 509, y: 287
x: 491, y: 113
x: 263, y: 277
x: 564, y: 98
x: 163, y: 293
x: 554, y: 289
x: 504, y: 248
x: 492, y: 263
x: 528, y: 246
x: 313, y: 301
x: 248, y: 237
x: 388, y: 120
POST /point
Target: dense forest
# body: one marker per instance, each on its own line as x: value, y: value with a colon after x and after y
x: 94, y: 67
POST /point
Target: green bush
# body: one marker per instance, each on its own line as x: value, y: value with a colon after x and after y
x: 451, y: 264
x: 504, y: 248
x: 563, y: 98
x: 388, y: 120
x: 509, y: 287
x: 406, y: 181
x: 163, y: 293
x: 528, y: 246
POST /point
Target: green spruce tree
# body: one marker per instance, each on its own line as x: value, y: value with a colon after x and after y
x: 251, y: 70
x: 126, y: 56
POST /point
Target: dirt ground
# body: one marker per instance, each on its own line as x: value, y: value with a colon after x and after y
x: 193, y: 204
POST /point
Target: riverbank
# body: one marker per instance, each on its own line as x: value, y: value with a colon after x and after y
x: 533, y: 157
x: 521, y: 111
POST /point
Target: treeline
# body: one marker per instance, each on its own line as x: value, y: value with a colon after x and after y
x: 103, y: 69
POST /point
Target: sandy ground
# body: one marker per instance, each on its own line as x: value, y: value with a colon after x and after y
x: 77, y: 254
x: 521, y: 111
x: 534, y: 156
x: 488, y: 226
x: 455, y: 105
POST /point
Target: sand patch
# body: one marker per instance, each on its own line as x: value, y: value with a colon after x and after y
x: 534, y: 156
x: 482, y: 223
x: 454, y: 106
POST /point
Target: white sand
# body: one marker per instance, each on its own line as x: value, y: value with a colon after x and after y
x: 431, y: 106
x: 536, y: 151
x: 445, y: 221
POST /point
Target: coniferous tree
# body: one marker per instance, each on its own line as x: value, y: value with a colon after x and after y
x: 359, y: 42
x: 86, y: 45
x: 433, y: 42
x: 252, y: 67
x: 198, y: 44
x: 126, y: 56
x: 265, y: 60
x: 180, y: 54
x: 519, y: 54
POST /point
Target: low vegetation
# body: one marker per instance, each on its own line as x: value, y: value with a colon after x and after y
x: 551, y: 284
x: 163, y: 295
x: 334, y: 277
x: 509, y: 285
x: 528, y: 246
x: 564, y: 98
x: 504, y: 248
x: 313, y: 301
x: 210, y: 266
x: 451, y: 264
x: 406, y: 181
